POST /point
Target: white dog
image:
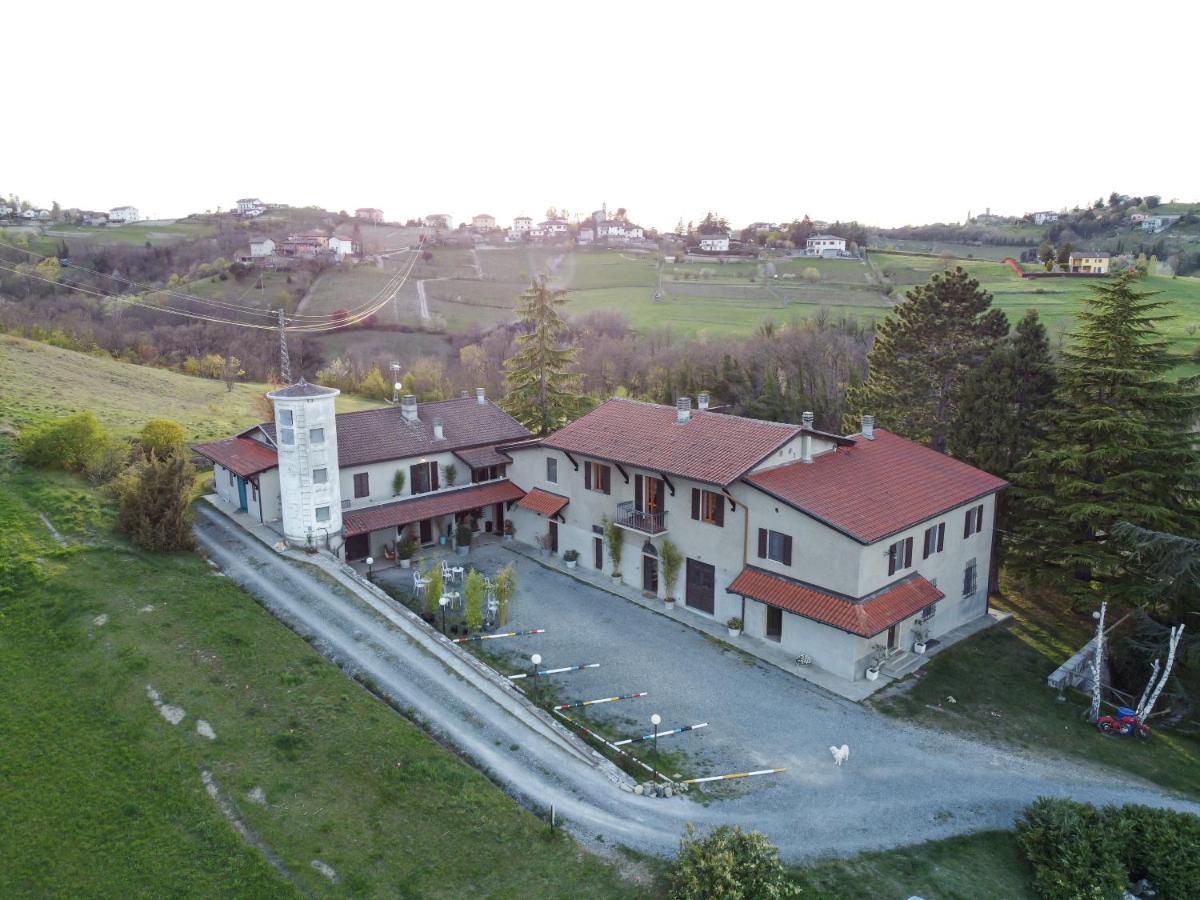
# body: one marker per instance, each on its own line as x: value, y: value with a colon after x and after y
x: 840, y: 754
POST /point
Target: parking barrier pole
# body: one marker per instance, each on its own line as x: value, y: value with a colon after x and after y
x: 579, y: 703
x: 492, y: 637
x: 538, y: 673
x: 733, y: 776
x: 606, y: 743
x: 650, y: 737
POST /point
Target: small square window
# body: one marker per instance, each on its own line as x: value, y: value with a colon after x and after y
x: 322, y: 513
x: 287, y: 436
x: 320, y: 476
x: 285, y: 418
x: 316, y: 435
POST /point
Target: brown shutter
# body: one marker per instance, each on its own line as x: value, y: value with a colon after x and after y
x: 787, y: 549
x: 433, y: 476
x: 637, y: 493
x: 587, y: 475
x: 925, y: 549
x: 695, y: 503
x: 941, y: 536
x: 719, y: 510
x: 606, y: 479
x: 967, y: 523
x: 892, y: 558
x: 979, y: 517
x: 762, y: 543
x: 907, y: 552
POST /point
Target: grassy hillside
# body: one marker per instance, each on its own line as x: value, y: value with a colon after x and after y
x: 41, y: 382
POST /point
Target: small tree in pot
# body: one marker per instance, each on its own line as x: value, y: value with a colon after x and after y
x: 672, y: 561
x: 405, y: 549
x: 398, y: 482
x: 504, y: 586
x: 433, y: 592
x: 735, y: 626
x: 462, y: 538
x: 451, y: 474
x: 571, y: 558
x: 473, y: 590
x: 613, y: 536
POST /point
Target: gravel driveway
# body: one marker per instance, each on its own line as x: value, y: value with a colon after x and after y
x: 901, y: 785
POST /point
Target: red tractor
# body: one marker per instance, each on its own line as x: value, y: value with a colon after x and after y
x: 1124, y: 723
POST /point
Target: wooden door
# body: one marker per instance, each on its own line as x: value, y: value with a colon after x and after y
x: 426, y: 528
x: 701, y: 584
x: 650, y: 574
x: 553, y: 537
x: 774, y: 623
x: 598, y: 552
x: 358, y: 546
x: 891, y: 641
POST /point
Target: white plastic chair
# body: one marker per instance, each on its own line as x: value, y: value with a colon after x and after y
x: 447, y: 574
x: 419, y: 583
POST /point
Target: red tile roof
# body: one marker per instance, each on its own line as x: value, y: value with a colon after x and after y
x: 375, y: 435
x: 479, y: 457
x: 240, y: 455
x: 543, y: 502
x: 428, y: 506
x: 866, y: 618
x: 876, y: 488
x: 711, y: 447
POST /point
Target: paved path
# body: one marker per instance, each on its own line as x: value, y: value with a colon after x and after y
x: 901, y: 785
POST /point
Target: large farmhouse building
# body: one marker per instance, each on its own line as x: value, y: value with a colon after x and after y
x: 843, y: 549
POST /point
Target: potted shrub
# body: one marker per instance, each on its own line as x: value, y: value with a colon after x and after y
x: 872, y: 672
x: 433, y: 593
x: 450, y: 473
x: 672, y: 561
x: 504, y: 586
x: 613, y: 536
x: 571, y: 558
x: 462, y: 538
x: 473, y: 590
x: 510, y: 533
x: 405, y: 550
x: 398, y: 481
x: 734, y: 625
x: 919, y: 641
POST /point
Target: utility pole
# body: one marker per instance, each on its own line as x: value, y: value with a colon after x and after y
x: 285, y: 366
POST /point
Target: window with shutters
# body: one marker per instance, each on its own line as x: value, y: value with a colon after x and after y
x: 973, y: 521
x: 935, y: 540
x: 900, y: 556
x: 597, y: 477
x: 362, y: 485
x: 775, y: 545
x: 552, y: 470
x: 708, y: 506
x: 423, y: 477
x: 970, y: 584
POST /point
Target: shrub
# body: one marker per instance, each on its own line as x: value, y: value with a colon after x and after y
x: 728, y: 863
x: 433, y: 590
x: 162, y: 436
x: 407, y: 547
x: 672, y: 561
x: 613, y: 536
x: 155, y: 499
x: 463, y: 535
x: 110, y: 461
x: 571, y: 555
x: 473, y: 600
x: 504, y: 586
x: 71, y: 443
x: 398, y: 481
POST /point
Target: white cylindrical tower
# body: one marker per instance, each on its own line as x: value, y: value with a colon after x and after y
x: 306, y: 440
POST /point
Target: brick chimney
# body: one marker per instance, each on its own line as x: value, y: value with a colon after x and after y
x: 683, y: 410
x: 408, y: 408
x: 868, y: 427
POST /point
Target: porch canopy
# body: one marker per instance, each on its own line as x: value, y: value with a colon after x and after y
x: 240, y: 455
x: 543, y: 502
x: 428, y: 506
x: 866, y: 617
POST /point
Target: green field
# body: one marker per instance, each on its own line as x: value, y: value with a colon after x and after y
x: 41, y: 382
x: 164, y: 232
x: 260, y: 289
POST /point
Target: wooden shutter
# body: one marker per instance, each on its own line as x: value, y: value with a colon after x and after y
x: 637, y: 493
x: 928, y: 541
x: 762, y: 543
x: 587, y: 475
x: 433, y: 476
x: 606, y: 479
x: 892, y: 558
x: 979, y: 517
x: 719, y: 510
x: 908, y: 552
x: 787, y: 549
x: 695, y: 503
x: 941, y: 537
x: 970, y: 517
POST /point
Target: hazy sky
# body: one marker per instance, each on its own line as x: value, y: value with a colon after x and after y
x: 888, y: 113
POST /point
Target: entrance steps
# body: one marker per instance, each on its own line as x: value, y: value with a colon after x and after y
x: 903, y: 663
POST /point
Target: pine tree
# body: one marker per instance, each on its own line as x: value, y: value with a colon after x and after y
x: 922, y: 354
x: 542, y: 391
x: 155, y: 500
x: 1118, y: 447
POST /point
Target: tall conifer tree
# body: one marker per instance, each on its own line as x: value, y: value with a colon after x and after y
x: 1118, y: 446
x: 542, y: 390
x: 922, y: 354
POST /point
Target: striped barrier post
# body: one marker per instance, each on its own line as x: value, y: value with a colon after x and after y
x: 542, y: 672
x: 492, y: 637
x: 650, y: 737
x: 609, y: 744
x: 579, y: 703
x: 733, y: 776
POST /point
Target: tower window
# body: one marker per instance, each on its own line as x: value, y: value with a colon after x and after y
x: 322, y: 513
x: 320, y: 476
x: 287, y: 435
x: 316, y: 435
x: 285, y: 418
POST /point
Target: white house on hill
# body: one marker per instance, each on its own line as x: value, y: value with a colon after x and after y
x: 122, y: 214
x: 714, y: 243
x: 825, y: 245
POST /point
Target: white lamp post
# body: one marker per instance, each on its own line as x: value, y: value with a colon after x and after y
x: 656, y: 720
x: 443, y: 602
x: 370, y: 563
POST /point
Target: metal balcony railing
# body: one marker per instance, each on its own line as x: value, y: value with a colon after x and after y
x: 637, y: 520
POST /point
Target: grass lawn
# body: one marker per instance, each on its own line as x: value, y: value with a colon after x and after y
x: 104, y: 797
x: 337, y: 289
x: 41, y: 382
x: 259, y: 290
x: 163, y: 232
x: 988, y: 864
x: 998, y: 679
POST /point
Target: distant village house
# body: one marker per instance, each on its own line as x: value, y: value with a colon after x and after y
x: 119, y: 215
x: 1088, y: 262
x: 369, y: 214
x: 825, y: 245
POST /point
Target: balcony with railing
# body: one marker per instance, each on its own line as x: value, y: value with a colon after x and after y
x: 640, y: 520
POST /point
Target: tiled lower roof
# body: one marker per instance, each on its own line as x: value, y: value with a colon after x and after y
x: 543, y: 502
x: 240, y: 455
x: 481, y: 457
x: 866, y: 618
x: 428, y: 506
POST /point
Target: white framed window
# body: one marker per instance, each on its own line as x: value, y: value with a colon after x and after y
x: 316, y: 435
x: 552, y: 470
x: 287, y: 436
x: 970, y: 579
x: 320, y: 476
x: 285, y: 418
x: 322, y: 513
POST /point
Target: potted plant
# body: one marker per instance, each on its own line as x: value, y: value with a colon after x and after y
x: 510, y: 533
x: 672, y: 561
x: 504, y: 586
x: 613, y: 536
x: 571, y: 558
x: 919, y: 641
x: 462, y: 538
x: 398, y: 481
x: 734, y: 625
x: 433, y: 593
x: 405, y: 550
x: 473, y: 590
x: 873, y: 667
x: 451, y: 474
